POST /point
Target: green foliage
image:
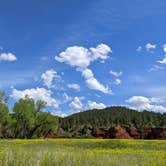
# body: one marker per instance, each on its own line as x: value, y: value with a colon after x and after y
x: 3, y: 97
x: 30, y: 121
x: 4, y: 115
x: 4, y: 120
x: 111, y: 117
x: 27, y: 119
x: 24, y: 117
x: 45, y: 124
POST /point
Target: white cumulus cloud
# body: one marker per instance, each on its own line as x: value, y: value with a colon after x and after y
x: 81, y: 58
x: 94, y: 105
x: 139, y: 49
x: 75, y: 56
x: 163, y: 61
x: 7, y: 57
x: 74, y: 86
x: 118, y: 81
x: 164, y: 48
x: 76, y: 104
x: 49, y: 76
x: 36, y: 94
x: 143, y: 103
x: 150, y: 47
x: 100, y: 52
x: 93, y: 83
x: 66, y: 97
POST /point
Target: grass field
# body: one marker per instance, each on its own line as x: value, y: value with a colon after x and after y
x: 82, y: 152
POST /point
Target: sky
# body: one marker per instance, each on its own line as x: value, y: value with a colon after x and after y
x: 77, y: 55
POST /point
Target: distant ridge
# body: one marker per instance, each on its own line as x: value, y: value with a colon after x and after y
x: 86, y: 123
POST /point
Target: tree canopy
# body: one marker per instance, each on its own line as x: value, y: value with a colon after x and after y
x: 26, y: 120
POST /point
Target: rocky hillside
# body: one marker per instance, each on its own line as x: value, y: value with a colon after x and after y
x: 114, y: 122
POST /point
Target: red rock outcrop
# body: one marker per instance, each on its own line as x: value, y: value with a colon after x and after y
x: 155, y: 133
x: 134, y: 133
x: 101, y: 133
x: 119, y: 132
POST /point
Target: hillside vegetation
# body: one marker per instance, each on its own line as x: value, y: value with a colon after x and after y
x: 87, y: 123
x: 27, y: 119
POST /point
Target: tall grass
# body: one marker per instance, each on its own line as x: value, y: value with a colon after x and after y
x: 82, y: 152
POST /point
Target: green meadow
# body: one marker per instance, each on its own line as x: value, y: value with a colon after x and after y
x: 82, y: 152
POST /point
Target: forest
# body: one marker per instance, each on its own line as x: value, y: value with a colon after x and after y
x: 28, y: 120
x: 118, y: 120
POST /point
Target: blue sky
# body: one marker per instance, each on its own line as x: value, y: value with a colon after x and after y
x: 127, y: 66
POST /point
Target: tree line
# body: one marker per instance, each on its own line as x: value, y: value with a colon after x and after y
x: 85, y: 123
x: 26, y: 120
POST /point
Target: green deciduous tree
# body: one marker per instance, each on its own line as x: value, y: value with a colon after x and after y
x: 30, y: 121
x: 4, y: 115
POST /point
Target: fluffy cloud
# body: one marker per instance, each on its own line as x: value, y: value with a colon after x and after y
x: 36, y: 94
x: 139, y: 49
x: 164, y: 48
x: 66, y: 97
x: 81, y: 58
x: 143, y: 103
x: 59, y: 113
x: 76, y: 104
x: 8, y: 57
x: 49, y: 76
x: 150, y: 47
x: 93, y: 83
x: 94, y: 105
x: 100, y: 52
x: 162, y: 61
x: 87, y: 73
x: 75, y: 56
x: 118, y: 81
x: 116, y: 74
x: 74, y: 86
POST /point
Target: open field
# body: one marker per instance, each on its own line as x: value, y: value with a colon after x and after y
x: 82, y: 152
